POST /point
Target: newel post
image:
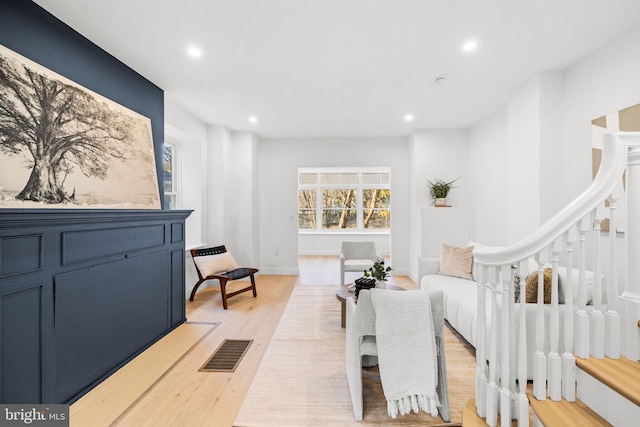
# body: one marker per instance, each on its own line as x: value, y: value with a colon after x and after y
x: 630, y: 298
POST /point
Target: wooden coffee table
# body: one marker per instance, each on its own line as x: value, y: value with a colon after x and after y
x: 348, y: 291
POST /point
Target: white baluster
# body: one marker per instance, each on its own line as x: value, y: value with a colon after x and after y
x: 513, y: 345
x: 612, y: 318
x: 596, y: 317
x: 481, y: 350
x: 631, y: 295
x: 492, y: 387
x: 554, y: 374
x: 582, y: 318
x: 505, y: 350
x: 523, y: 401
x: 568, y: 359
x: 540, y: 367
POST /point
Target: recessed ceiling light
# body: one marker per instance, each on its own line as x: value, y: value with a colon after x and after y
x: 194, y: 52
x: 253, y: 119
x: 408, y: 117
x: 440, y: 80
x: 470, y: 46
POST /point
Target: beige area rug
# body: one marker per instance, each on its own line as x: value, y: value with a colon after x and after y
x: 301, y: 380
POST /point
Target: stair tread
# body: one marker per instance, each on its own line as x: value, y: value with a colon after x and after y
x: 470, y: 417
x: 563, y: 413
x: 621, y: 375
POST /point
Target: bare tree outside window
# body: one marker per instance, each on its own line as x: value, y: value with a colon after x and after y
x: 307, y: 209
x: 338, y: 208
x: 351, y: 199
x: 377, y: 213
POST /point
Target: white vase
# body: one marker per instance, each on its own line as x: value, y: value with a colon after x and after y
x: 381, y: 284
x: 441, y: 202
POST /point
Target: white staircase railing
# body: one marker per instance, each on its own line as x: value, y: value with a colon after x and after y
x: 590, y: 327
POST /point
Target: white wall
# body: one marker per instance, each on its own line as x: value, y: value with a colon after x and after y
x: 329, y: 243
x: 552, y: 160
x: 192, y: 189
x: 279, y: 160
x: 192, y: 179
x: 488, y: 179
x: 534, y: 152
x: 523, y: 159
x: 218, y: 180
x: 604, y: 82
x: 241, y: 198
x: 515, y: 150
x: 218, y: 140
x: 232, y: 193
x: 438, y: 154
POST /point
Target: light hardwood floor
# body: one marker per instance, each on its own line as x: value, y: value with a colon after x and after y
x: 162, y: 386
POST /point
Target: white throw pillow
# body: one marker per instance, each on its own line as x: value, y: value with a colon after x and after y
x: 456, y: 261
x: 210, y: 265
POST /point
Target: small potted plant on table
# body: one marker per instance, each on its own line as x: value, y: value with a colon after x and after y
x: 379, y: 272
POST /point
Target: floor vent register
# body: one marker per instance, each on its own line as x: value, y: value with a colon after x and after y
x: 227, y: 357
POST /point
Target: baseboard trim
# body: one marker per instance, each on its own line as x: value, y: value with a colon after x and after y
x: 283, y: 271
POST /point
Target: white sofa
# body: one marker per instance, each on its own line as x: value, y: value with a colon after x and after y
x: 460, y: 309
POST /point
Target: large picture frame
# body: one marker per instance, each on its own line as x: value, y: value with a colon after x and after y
x: 65, y: 146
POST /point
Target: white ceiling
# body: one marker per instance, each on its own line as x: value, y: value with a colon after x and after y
x: 324, y: 68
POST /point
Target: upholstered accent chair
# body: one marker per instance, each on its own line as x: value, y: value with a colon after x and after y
x: 362, y: 351
x: 357, y: 257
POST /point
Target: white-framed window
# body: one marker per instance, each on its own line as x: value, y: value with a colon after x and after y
x: 352, y: 199
x: 170, y: 153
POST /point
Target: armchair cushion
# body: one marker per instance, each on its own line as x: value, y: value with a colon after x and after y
x: 210, y: 265
x: 352, y: 262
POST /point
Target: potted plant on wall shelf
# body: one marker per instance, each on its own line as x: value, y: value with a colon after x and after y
x: 439, y: 191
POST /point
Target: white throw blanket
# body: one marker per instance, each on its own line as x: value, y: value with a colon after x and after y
x: 406, y: 351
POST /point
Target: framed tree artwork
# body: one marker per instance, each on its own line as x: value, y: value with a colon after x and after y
x: 62, y: 145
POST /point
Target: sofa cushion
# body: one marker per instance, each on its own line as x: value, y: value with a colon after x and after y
x: 461, y: 308
x: 456, y: 261
x: 448, y: 285
x: 563, y: 279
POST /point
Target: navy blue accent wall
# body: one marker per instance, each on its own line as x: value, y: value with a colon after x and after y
x: 82, y: 292
x: 33, y: 32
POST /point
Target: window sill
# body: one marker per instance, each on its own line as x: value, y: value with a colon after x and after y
x: 345, y: 232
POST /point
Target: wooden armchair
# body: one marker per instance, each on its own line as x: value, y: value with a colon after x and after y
x: 217, y: 263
